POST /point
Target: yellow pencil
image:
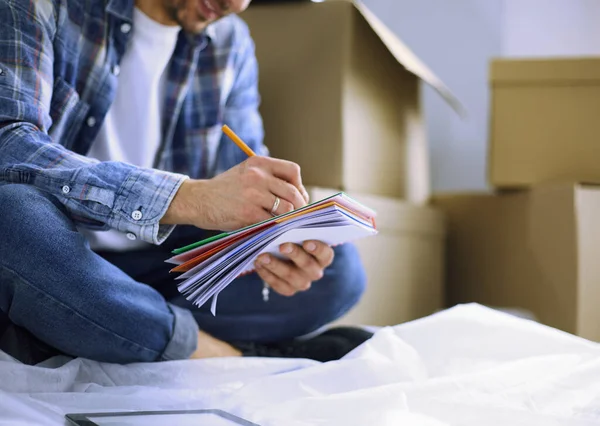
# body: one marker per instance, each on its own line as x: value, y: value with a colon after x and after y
x: 239, y: 142
x: 236, y: 139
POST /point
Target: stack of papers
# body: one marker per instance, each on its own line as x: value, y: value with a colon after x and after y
x: 210, y: 265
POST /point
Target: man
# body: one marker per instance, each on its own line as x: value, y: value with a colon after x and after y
x: 110, y: 116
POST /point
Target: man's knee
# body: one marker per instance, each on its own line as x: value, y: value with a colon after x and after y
x: 22, y: 203
x: 28, y: 216
x: 16, y: 200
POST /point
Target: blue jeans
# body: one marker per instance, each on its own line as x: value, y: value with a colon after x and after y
x: 57, y: 296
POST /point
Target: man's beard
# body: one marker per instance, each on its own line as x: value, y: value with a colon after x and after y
x: 178, y: 11
x: 174, y: 9
x: 173, y: 13
x: 187, y: 15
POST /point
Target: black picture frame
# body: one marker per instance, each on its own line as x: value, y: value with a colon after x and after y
x: 83, y: 419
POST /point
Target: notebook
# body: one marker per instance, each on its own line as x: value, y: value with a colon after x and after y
x: 210, y: 265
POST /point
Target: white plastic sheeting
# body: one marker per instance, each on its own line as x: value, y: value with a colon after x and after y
x: 465, y: 366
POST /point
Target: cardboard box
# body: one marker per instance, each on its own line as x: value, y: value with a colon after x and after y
x: 340, y: 97
x: 536, y: 250
x: 545, y: 122
x: 404, y: 262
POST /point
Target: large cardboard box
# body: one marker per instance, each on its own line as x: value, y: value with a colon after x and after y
x: 340, y: 96
x: 404, y: 263
x: 538, y: 250
x: 545, y: 124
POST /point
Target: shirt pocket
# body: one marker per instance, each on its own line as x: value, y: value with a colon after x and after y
x: 197, y: 157
x: 67, y: 112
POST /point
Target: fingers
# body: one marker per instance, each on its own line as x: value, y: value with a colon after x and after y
x: 288, y: 193
x: 243, y: 195
x: 268, y: 202
x: 297, y: 274
x: 284, y: 170
x: 322, y: 252
x: 257, y: 193
x: 284, y: 277
x: 284, y: 207
x: 256, y: 215
x: 307, y: 264
x: 263, y: 188
x: 275, y: 282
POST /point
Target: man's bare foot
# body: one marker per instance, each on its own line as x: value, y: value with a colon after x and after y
x: 209, y: 347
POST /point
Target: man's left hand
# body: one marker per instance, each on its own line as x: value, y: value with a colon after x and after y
x: 303, y: 265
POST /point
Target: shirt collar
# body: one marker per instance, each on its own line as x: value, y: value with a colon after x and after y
x: 206, y: 36
x: 122, y: 9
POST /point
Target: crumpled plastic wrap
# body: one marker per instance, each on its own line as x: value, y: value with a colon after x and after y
x: 465, y: 366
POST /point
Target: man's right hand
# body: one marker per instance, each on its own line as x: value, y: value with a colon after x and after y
x: 239, y: 197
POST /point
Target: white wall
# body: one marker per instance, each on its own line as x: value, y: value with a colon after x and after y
x: 551, y: 28
x: 456, y: 39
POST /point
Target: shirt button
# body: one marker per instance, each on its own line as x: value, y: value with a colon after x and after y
x: 125, y: 28
x: 136, y: 215
x: 66, y: 189
x: 1, y: 71
x: 116, y: 70
x: 91, y: 121
x: 131, y: 236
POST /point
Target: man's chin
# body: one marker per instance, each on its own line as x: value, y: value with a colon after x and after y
x: 193, y: 25
x: 195, y: 28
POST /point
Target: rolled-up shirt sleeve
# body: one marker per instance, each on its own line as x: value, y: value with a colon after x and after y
x: 97, y: 194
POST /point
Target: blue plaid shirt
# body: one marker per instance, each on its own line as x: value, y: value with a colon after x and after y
x: 58, y: 66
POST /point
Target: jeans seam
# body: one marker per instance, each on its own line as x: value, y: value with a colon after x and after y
x: 118, y: 336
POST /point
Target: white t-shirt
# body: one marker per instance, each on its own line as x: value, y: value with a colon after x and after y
x: 132, y: 130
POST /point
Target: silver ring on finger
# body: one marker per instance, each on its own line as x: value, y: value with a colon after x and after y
x: 275, y: 206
